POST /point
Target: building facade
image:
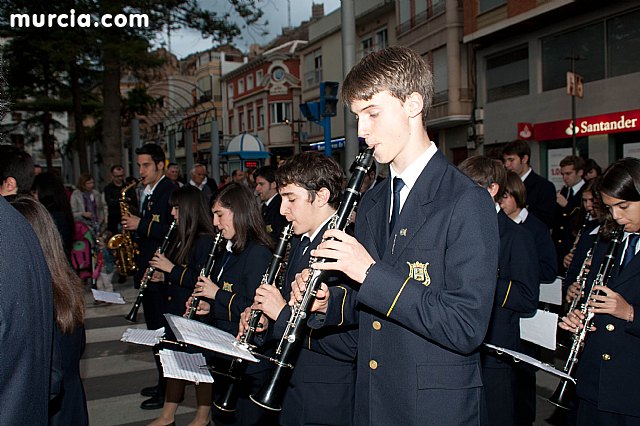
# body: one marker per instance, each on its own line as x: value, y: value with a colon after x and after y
x: 522, y: 53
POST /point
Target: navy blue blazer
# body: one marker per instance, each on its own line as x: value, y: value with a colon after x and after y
x: 322, y: 385
x: 241, y: 275
x: 585, y: 243
x: 541, y: 198
x: 424, y: 308
x: 181, y: 281
x: 26, y: 322
x: 608, y: 373
x: 273, y: 219
x: 518, y: 288
x: 562, y: 233
x: 544, y: 248
x: 154, y: 224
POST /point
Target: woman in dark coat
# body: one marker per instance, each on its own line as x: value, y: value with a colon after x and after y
x: 69, y: 406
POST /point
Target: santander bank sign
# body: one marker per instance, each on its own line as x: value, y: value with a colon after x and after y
x: 627, y: 121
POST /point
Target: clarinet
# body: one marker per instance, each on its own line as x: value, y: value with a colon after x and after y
x: 559, y: 397
x: 581, y: 279
x: 271, y: 394
x: 204, y: 272
x: 228, y: 398
x: 132, y: 316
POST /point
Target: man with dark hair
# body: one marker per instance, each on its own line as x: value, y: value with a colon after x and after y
x: 112, y: 193
x: 238, y: 176
x: 324, y: 375
x: 425, y: 254
x: 152, y: 225
x: 271, y: 200
x: 173, y: 174
x: 517, y: 294
x: 16, y: 171
x: 541, y: 198
x: 569, y: 200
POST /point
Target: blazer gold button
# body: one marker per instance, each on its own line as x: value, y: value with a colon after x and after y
x: 610, y: 327
x: 377, y: 325
x: 373, y: 364
x: 169, y: 298
x: 562, y: 227
x: 606, y: 357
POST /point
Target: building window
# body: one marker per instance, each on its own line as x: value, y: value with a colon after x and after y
x: 367, y: 46
x: 623, y: 37
x: 440, y: 75
x: 313, y: 68
x: 486, y: 5
x: 230, y: 91
x: 381, y: 39
x: 249, y: 82
x: 251, y: 120
x: 241, y: 122
x: 241, y: 85
x: 231, y: 129
x: 586, y: 44
x: 508, y: 74
x: 259, y: 78
x: 280, y: 112
x: 260, y: 117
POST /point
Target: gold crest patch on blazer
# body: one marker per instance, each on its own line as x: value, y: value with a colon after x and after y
x: 155, y: 218
x: 418, y: 271
x: 227, y: 286
x: 269, y: 229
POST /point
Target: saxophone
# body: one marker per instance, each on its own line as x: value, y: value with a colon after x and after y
x: 122, y: 245
x: 272, y: 392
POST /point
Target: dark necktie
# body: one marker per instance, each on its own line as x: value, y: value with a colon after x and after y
x: 294, y: 262
x: 264, y: 209
x: 631, y: 250
x: 398, y: 184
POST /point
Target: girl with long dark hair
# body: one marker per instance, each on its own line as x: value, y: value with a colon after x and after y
x: 237, y: 273
x: 194, y: 240
x: 608, y: 373
x: 69, y: 407
x: 49, y: 190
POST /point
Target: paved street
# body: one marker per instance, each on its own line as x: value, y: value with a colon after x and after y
x: 114, y: 372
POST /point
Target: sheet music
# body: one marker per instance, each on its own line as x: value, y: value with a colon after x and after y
x: 108, y: 296
x: 552, y: 292
x: 208, y: 337
x: 184, y: 366
x: 142, y: 337
x: 529, y: 360
x: 540, y: 329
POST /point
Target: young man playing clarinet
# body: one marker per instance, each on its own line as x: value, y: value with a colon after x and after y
x: 151, y: 228
x: 425, y: 255
x: 321, y: 388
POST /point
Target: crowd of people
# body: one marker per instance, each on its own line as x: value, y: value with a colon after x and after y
x: 441, y: 260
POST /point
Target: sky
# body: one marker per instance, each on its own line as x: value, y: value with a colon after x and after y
x: 185, y: 42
